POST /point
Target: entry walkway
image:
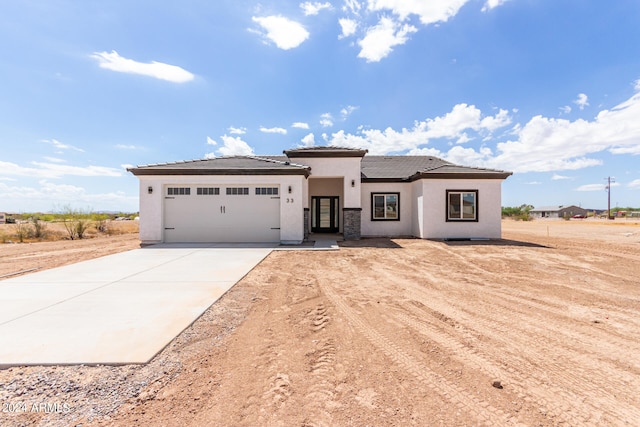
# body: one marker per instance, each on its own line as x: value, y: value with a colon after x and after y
x: 118, y: 309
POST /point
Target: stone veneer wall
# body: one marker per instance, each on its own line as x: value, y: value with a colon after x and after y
x: 351, y: 224
x: 306, y: 224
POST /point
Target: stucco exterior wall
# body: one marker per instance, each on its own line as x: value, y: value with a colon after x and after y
x: 387, y: 228
x: 347, y: 167
x: 291, y: 204
x: 435, y: 209
x: 417, y: 209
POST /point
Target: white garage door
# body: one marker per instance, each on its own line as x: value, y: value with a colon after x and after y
x: 215, y: 213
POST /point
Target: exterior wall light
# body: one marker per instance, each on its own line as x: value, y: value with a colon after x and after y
x: 289, y: 189
x: 150, y: 189
x: 353, y: 182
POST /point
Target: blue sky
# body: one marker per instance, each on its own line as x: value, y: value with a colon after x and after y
x: 547, y: 89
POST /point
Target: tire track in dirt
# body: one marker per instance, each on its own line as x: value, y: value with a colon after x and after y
x: 616, y: 348
x: 518, y: 380
x: 321, y: 362
x: 484, y: 412
x: 583, y: 374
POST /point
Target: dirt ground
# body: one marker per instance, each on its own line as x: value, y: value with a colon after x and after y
x: 539, y: 329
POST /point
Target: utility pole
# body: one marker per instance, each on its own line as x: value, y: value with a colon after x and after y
x: 608, y: 189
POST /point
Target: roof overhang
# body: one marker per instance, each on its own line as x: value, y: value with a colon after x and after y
x: 461, y: 175
x: 324, y: 152
x: 174, y: 171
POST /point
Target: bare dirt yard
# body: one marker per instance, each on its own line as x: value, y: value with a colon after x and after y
x: 539, y: 329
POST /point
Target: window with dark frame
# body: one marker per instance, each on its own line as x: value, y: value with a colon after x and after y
x: 385, y: 206
x: 266, y: 191
x: 178, y: 191
x: 462, y: 205
x: 208, y: 191
x: 237, y: 191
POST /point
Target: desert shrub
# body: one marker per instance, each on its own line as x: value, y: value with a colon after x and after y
x: 39, y: 228
x: 23, y: 231
x: 103, y: 226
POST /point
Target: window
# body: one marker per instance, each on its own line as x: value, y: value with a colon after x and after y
x: 208, y: 191
x: 175, y: 191
x: 237, y: 191
x: 462, y: 205
x: 385, y: 206
x: 267, y: 191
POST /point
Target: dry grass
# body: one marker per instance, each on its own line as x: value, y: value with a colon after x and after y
x: 54, y: 231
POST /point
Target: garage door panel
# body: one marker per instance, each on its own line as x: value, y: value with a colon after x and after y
x: 222, y: 218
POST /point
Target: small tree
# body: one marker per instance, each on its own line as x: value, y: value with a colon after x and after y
x: 22, y: 231
x: 39, y: 227
x: 76, y: 222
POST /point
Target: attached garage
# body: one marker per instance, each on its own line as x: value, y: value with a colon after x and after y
x: 221, y: 213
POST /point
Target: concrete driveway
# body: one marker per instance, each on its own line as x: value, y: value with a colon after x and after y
x: 118, y: 309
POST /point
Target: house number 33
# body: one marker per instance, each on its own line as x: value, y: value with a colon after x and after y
x: 289, y: 200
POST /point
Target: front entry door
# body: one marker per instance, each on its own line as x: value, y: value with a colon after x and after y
x: 324, y: 214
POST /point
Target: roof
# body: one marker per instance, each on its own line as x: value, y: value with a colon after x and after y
x: 233, y: 165
x: 373, y: 168
x: 554, y: 208
x: 322, y: 151
x: 411, y: 168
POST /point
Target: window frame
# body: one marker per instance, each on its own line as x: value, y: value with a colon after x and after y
x: 267, y: 191
x: 178, y: 191
x: 237, y: 191
x: 447, y: 205
x: 208, y: 191
x: 384, y: 195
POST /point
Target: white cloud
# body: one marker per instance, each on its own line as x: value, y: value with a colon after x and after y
x: 47, y: 195
x: 326, y: 120
x: 491, y: 4
x: 634, y: 150
x: 281, y: 131
x: 308, y: 141
x: 127, y: 147
x: 352, y: 6
x: 233, y: 146
x: 533, y: 183
x: 349, y: 27
x: 60, y: 146
x: 237, y: 131
x: 55, y: 170
x: 300, y: 125
x: 54, y: 159
x: 557, y: 177
x: 565, y: 110
x: 211, y: 141
x: 313, y: 8
x: 430, y: 12
x: 114, y: 62
x: 541, y: 145
x: 452, y: 125
x: 346, y: 111
x: 634, y: 185
x: 285, y: 33
x: 595, y: 187
x: 380, y: 40
x: 582, y: 101
x: 636, y: 85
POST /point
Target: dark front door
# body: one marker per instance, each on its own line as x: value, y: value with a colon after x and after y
x: 324, y: 214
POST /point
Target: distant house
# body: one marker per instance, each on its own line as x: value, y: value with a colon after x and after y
x: 557, y: 211
x: 3, y: 218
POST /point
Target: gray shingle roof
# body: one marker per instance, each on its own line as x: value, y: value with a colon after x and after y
x: 410, y: 168
x: 374, y: 168
x: 234, y: 165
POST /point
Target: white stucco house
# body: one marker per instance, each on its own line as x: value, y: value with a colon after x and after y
x: 286, y: 198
